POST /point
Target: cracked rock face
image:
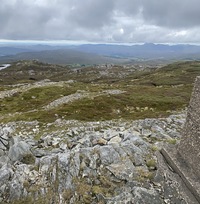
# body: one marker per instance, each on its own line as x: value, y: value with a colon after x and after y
x: 91, y: 162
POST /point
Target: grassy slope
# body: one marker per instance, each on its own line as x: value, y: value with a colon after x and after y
x: 149, y: 93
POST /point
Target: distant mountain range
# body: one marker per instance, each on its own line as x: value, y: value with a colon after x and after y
x: 61, y: 56
x: 144, y: 51
x: 99, y: 53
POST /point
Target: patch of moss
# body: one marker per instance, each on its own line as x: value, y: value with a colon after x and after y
x: 28, y: 159
x: 67, y: 194
x: 172, y: 141
x: 154, y: 148
x: 151, y: 163
x: 144, y: 175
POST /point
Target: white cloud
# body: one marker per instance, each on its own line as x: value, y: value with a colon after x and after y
x: 101, y: 20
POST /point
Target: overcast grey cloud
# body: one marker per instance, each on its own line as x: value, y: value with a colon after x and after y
x: 123, y: 21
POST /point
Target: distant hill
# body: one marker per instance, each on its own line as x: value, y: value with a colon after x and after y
x: 144, y: 51
x: 99, y: 53
x: 62, y: 56
x: 11, y: 50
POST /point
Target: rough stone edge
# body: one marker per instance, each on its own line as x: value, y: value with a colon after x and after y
x: 179, y: 166
x: 165, y: 175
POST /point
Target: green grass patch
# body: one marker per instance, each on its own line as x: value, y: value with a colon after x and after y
x: 148, y: 93
x: 138, y: 102
x: 33, y: 99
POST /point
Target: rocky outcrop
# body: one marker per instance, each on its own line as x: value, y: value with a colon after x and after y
x: 20, y: 151
x: 80, y: 94
x: 25, y: 87
x: 93, y: 162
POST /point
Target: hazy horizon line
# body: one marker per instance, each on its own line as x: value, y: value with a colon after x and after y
x: 72, y: 42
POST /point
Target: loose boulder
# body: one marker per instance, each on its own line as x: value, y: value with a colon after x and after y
x: 20, y: 151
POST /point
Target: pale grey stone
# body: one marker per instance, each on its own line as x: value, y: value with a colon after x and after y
x: 123, y: 198
x: 108, y: 155
x: 116, y: 139
x: 146, y: 196
x: 5, y: 174
x: 18, y: 151
x: 124, y: 170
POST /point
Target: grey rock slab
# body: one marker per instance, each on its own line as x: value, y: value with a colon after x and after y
x: 90, y: 156
x: 2, y: 152
x: 124, y: 170
x: 65, y: 177
x: 136, y: 195
x: 123, y: 198
x: 21, y: 173
x: 66, y: 99
x: 18, y: 151
x: 87, y: 152
x: 47, y: 162
x: 108, y: 155
x: 146, y: 132
x: 109, y: 134
x: 135, y: 133
x: 15, y: 139
x: 74, y: 165
x: 15, y: 191
x: 135, y: 153
x: 148, y: 123
x: 137, y: 141
x: 173, y: 133
x: 5, y: 174
x: 4, y: 160
x: 39, y: 152
x: 63, y: 146
x: 146, y: 196
x: 115, y: 139
x: 118, y: 148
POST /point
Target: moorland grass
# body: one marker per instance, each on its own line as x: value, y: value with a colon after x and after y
x: 148, y: 93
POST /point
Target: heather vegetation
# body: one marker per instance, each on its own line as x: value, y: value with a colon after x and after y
x: 145, y: 92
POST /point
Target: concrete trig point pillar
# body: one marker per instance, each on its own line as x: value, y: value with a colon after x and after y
x: 185, y: 159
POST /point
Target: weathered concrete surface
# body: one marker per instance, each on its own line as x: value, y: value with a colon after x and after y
x: 189, y: 146
x: 185, y: 158
x: 173, y: 188
x: 188, y: 181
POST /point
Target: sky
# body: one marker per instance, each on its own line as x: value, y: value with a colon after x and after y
x: 101, y: 21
